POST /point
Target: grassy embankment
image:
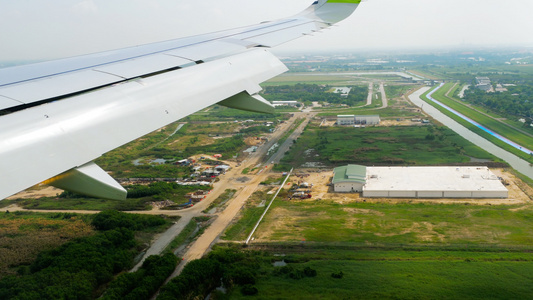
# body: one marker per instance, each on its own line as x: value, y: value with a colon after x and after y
x: 250, y: 214
x: 494, y: 125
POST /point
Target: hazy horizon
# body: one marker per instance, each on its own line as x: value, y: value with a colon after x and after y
x: 34, y: 30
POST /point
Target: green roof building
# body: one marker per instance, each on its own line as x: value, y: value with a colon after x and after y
x: 350, y: 178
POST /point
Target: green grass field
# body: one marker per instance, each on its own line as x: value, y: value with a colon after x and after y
x: 410, y: 145
x: 250, y: 214
x: 434, y: 278
x: 361, y: 223
x: 396, y: 251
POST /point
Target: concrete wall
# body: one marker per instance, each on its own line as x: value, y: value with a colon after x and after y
x: 457, y: 194
x: 375, y: 194
x: 430, y: 194
x: 346, y: 187
x: 435, y: 194
x: 402, y: 194
x: 490, y: 194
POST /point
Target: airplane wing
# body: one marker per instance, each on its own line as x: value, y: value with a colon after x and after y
x: 57, y: 117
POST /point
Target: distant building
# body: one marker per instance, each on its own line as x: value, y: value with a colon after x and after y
x: 222, y: 168
x: 358, y: 120
x: 500, y: 88
x: 350, y: 178
x: 345, y: 119
x: 367, y: 120
x: 484, y: 84
x: 344, y: 91
x: 285, y: 103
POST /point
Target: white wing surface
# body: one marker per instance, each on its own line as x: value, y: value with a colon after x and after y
x: 59, y: 116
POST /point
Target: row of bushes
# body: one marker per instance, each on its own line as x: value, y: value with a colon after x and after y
x: 199, y: 277
x: 143, y: 283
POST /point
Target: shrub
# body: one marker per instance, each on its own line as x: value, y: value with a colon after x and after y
x: 249, y: 290
x: 309, y: 272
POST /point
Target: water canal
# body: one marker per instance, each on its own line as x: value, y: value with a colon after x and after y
x: 514, y: 161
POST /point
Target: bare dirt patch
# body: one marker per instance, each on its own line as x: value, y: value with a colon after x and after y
x: 37, y: 191
x: 252, y: 141
x: 281, y: 221
x: 401, y: 122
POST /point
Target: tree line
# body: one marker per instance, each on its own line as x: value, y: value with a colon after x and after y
x: 308, y: 93
x: 516, y: 102
x: 78, y: 268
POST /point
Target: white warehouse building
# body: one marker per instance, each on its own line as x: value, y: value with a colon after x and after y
x: 284, y: 103
x: 433, y: 182
x: 358, y: 120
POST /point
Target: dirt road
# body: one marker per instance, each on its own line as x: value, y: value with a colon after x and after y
x: 211, y: 234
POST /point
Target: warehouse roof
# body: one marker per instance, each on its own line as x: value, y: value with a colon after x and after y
x: 432, y: 179
x: 349, y: 173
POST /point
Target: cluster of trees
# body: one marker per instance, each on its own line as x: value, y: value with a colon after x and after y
x: 161, y: 189
x: 308, y: 93
x: 143, y: 283
x: 504, y: 103
x: 200, y: 277
x: 255, y: 130
x: 227, y: 145
x: 224, y: 113
x: 295, y: 273
x: 78, y: 268
x: 111, y: 219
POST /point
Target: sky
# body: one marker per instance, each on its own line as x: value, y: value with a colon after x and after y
x: 42, y: 30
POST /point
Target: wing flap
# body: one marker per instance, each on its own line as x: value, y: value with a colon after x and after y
x: 272, y: 39
x: 144, y: 65
x: 207, y: 50
x: 7, y: 103
x: 56, y: 86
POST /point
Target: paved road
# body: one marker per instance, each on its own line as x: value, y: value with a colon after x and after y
x: 383, y: 95
x: 294, y: 135
x: 370, y: 94
x: 163, y: 240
